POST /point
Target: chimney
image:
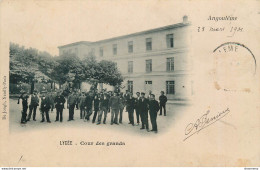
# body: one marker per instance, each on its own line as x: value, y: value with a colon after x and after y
x: 185, y: 19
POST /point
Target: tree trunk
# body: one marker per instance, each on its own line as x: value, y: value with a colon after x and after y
x: 54, y: 86
x: 51, y: 85
x: 32, y: 87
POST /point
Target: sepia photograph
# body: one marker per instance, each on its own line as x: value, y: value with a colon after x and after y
x: 127, y: 79
x: 129, y: 83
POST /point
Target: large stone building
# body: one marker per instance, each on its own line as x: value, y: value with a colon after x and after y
x: 156, y: 59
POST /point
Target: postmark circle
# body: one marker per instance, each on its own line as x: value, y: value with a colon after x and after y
x: 234, y: 66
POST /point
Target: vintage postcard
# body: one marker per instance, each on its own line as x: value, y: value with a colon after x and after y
x: 127, y: 83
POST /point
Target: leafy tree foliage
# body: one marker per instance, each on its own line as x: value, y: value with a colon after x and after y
x: 29, y: 65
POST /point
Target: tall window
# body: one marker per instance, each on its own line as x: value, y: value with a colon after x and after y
x: 169, y: 39
x: 170, y: 64
x: 148, y: 44
x: 130, y: 47
x: 101, y: 52
x: 170, y: 87
x: 130, y: 66
x: 115, y: 49
x: 130, y: 86
x: 148, y: 65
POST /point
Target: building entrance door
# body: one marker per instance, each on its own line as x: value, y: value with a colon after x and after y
x: 148, y: 87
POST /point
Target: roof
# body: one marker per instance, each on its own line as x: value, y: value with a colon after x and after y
x: 75, y: 43
x: 130, y: 35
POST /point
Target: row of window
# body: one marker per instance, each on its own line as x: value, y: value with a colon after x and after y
x: 149, y: 65
x: 170, y: 86
x: 149, y: 45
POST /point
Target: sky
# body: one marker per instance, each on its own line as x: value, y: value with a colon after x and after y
x: 46, y: 24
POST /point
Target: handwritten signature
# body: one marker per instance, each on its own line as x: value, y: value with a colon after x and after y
x: 203, y: 122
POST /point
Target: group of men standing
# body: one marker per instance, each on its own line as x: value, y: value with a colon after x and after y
x: 98, y: 104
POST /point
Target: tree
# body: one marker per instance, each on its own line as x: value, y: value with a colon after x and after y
x: 29, y: 65
x: 68, y: 68
x: 24, y: 67
x: 101, y: 72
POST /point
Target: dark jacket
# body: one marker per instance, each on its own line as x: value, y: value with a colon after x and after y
x: 59, y: 102
x: 130, y: 106
x: 126, y: 96
x: 45, y: 104
x: 114, y: 102
x: 24, y: 100
x: 143, y: 104
x: 104, y: 103
x: 96, y: 104
x: 154, y: 106
x: 89, y: 101
x: 137, y: 103
x: 163, y: 99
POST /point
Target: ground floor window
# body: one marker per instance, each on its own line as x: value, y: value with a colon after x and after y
x: 170, y: 87
x: 130, y: 86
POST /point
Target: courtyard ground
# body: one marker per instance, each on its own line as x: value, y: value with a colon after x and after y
x: 163, y: 122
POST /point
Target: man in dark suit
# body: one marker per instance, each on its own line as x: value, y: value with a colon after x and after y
x: 137, y: 109
x: 34, y: 103
x: 72, y: 99
x: 24, y: 97
x: 122, y: 102
x: 163, y: 100
x: 104, y: 105
x: 89, y: 103
x: 144, y: 105
x: 126, y: 96
x: 153, y: 109
x: 130, y: 108
x: 45, y: 107
x: 59, y: 104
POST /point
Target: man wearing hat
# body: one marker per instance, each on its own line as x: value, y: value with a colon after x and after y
x: 114, y: 104
x: 130, y: 108
x: 89, y: 105
x: 144, y: 105
x: 104, y: 101
x: 45, y: 107
x: 24, y: 97
x: 163, y: 100
x: 34, y: 103
x: 82, y: 104
x: 137, y: 105
x: 153, y: 109
x: 122, y: 103
x: 59, y: 104
x: 72, y: 99
x: 52, y: 97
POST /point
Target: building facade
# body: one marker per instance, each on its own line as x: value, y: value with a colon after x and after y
x: 154, y: 60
